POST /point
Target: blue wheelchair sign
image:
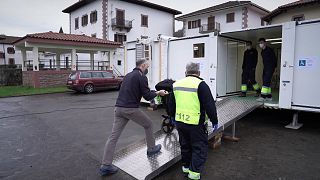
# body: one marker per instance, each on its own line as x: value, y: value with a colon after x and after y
x: 302, y: 62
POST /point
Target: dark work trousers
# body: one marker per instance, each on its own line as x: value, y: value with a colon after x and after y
x: 194, y: 145
x: 249, y: 77
x: 267, y: 77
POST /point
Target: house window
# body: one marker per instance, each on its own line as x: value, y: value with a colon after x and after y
x: 10, y: 50
x: 93, y: 17
x: 194, y: 24
x: 198, y: 50
x: 230, y: 17
x: 144, y: 20
x: 84, y: 20
x: 119, y: 62
x: 94, y: 35
x: 76, y: 23
x: 120, y: 17
x: 120, y: 38
x: 298, y: 17
x: 11, y: 61
x: 262, y: 22
x: 2, y: 55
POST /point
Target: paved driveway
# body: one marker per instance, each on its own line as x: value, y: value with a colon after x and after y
x: 61, y: 136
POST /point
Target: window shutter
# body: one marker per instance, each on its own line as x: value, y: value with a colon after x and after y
x: 189, y: 24
x: 115, y: 38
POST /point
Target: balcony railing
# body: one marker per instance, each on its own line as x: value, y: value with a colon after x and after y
x: 121, y: 24
x: 207, y: 28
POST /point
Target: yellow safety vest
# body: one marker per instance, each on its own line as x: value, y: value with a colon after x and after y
x: 187, y: 100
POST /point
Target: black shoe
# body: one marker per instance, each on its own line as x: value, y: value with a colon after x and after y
x: 107, y: 170
x: 243, y: 94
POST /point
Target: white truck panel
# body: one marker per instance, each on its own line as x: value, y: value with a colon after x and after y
x: 306, y: 71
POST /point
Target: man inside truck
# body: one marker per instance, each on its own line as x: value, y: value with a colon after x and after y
x: 269, y: 66
x: 250, y: 60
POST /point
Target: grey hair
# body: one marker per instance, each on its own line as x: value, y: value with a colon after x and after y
x: 140, y: 62
x: 192, y: 68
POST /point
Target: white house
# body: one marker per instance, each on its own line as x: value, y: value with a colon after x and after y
x: 120, y: 20
x: 8, y: 54
x: 295, y: 11
x: 223, y: 17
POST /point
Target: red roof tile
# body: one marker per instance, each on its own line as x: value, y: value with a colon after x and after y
x: 70, y: 37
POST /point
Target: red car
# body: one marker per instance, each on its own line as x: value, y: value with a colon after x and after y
x: 89, y: 81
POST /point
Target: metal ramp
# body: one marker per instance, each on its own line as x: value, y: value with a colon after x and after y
x: 134, y: 161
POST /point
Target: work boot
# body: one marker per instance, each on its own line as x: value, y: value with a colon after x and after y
x: 185, y: 171
x: 261, y: 99
x: 154, y: 150
x: 107, y: 170
x: 258, y: 93
x: 243, y: 94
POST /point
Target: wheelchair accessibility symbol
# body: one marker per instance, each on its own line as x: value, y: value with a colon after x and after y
x: 302, y: 62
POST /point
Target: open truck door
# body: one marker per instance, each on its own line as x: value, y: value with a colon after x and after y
x: 300, y: 68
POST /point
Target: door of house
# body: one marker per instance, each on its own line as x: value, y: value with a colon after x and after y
x: 211, y: 22
x: 120, y: 14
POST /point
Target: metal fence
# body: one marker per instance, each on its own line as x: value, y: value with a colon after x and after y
x: 81, y: 64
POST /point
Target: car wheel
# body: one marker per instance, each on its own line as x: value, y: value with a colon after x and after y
x: 88, y: 88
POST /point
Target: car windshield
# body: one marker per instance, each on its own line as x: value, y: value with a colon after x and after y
x: 73, y: 76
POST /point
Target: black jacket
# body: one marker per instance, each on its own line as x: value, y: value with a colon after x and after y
x: 250, y: 59
x: 269, y: 58
x: 207, y: 104
x: 133, y: 87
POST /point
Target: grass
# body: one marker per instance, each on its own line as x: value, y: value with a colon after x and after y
x: 7, y: 91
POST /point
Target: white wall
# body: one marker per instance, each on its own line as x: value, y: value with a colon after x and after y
x: 3, y: 48
x: 220, y: 17
x: 310, y: 12
x: 95, y: 28
x: 254, y: 18
x: 159, y: 22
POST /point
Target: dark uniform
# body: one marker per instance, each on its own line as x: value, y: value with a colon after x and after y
x: 250, y: 60
x: 270, y: 64
x: 191, y: 102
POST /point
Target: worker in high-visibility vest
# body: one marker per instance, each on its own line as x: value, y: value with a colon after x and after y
x: 250, y: 60
x: 190, y: 104
x: 269, y: 66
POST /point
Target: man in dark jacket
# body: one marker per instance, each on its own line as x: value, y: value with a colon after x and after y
x: 269, y: 66
x: 250, y: 60
x: 190, y: 104
x: 133, y: 88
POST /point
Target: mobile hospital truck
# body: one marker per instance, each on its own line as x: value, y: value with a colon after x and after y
x: 295, y: 84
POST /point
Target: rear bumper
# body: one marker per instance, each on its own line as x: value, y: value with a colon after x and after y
x: 75, y: 87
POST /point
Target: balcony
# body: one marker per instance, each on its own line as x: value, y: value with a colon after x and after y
x: 121, y: 24
x: 208, y: 28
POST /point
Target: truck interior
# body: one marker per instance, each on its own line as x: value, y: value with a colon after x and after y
x: 231, y: 47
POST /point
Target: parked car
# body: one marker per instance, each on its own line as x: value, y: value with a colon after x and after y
x: 90, y: 81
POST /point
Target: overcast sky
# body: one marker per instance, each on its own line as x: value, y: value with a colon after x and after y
x: 21, y: 17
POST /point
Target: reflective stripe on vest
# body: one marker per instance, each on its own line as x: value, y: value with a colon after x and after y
x: 187, y: 101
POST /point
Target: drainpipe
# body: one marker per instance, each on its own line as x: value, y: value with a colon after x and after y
x: 5, y: 62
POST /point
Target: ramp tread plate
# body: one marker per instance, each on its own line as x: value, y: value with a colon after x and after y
x: 134, y: 160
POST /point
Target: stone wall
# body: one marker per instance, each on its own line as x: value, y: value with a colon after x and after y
x: 10, y: 76
x: 50, y: 78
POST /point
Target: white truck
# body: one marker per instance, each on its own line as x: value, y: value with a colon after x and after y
x: 295, y: 84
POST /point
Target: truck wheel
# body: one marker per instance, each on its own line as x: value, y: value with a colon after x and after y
x: 88, y: 88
